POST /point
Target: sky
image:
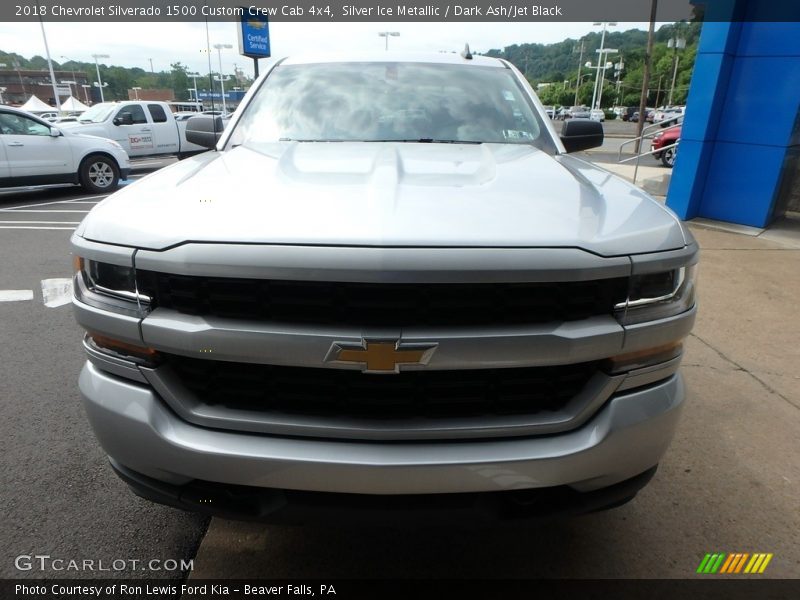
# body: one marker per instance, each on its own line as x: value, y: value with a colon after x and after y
x: 133, y: 44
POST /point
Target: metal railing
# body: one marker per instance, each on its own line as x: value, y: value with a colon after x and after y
x: 645, y: 135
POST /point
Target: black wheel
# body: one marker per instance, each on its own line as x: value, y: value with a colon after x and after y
x: 99, y: 174
x: 668, y: 157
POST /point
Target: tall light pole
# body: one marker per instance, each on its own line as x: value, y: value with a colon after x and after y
x: 73, y: 65
x: 618, y: 67
x: 21, y: 83
x: 70, y: 84
x: 578, y: 80
x: 194, y: 77
x: 676, y: 43
x: 219, y: 48
x: 99, y: 79
x: 386, y: 34
x: 600, y: 58
x: 50, y: 66
x: 607, y: 64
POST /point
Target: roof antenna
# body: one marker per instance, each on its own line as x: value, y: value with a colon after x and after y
x: 466, y: 53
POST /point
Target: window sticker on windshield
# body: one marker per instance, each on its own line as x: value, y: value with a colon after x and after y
x: 515, y: 134
x: 508, y: 95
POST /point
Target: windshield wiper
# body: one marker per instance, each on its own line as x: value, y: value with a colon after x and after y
x: 399, y: 141
x: 425, y: 141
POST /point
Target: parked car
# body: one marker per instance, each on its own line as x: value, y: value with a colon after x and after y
x: 579, y: 112
x: 35, y: 152
x: 666, y: 138
x: 426, y: 314
x: 670, y: 116
x: 649, y: 118
x: 597, y: 114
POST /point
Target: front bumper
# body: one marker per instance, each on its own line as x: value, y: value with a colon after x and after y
x: 141, y: 434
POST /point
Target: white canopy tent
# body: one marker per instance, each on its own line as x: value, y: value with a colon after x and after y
x: 34, y: 105
x: 72, y: 104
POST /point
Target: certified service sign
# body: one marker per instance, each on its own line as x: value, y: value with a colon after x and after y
x: 254, y: 36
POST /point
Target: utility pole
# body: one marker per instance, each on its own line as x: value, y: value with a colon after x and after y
x: 648, y: 57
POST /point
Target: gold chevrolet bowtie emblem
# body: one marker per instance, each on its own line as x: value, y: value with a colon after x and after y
x: 380, y: 356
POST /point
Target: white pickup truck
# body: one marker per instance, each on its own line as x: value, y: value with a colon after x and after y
x: 141, y: 127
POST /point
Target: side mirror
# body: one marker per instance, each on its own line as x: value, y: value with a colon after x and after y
x: 581, y: 134
x: 204, y: 130
x: 125, y: 118
x: 54, y: 132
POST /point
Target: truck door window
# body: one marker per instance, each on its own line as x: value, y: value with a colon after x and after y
x: 157, y: 112
x: 136, y: 112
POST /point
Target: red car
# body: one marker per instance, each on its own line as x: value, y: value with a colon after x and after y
x: 667, y: 138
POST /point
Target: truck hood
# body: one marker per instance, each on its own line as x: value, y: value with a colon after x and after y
x: 386, y: 194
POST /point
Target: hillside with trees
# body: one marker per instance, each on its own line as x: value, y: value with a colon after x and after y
x: 556, y: 66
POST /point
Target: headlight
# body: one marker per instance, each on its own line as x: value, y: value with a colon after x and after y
x: 108, y: 286
x: 654, y: 296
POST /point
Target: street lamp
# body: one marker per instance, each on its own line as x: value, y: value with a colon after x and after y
x: 136, y: 92
x: 222, y: 80
x: 386, y: 34
x: 676, y: 44
x: 99, y: 79
x: 73, y: 70
x: 194, y: 77
x: 618, y: 72
x: 600, y: 58
x: 97, y: 85
x: 578, y: 78
x: 70, y: 84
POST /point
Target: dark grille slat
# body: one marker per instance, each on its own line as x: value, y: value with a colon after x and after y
x: 408, y: 395
x: 383, y: 304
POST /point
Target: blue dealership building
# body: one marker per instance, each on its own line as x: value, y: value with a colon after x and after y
x: 739, y: 157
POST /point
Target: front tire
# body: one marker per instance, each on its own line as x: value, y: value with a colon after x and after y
x: 99, y: 174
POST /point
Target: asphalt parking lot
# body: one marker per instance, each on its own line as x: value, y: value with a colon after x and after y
x: 730, y: 482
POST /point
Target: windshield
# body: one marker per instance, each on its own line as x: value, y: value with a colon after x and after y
x: 97, y: 114
x: 390, y: 101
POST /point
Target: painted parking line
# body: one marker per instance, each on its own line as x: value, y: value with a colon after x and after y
x: 56, y: 292
x: 28, y: 210
x: 34, y: 227
x: 9, y: 208
x: 15, y: 295
x: 40, y: 222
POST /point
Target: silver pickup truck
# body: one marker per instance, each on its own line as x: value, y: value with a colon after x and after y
x: 390, y: 289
